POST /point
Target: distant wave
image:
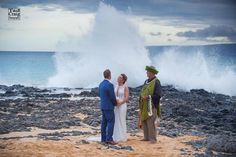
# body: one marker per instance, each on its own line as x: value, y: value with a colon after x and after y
x: 195, y: 69
x: 114, y: 43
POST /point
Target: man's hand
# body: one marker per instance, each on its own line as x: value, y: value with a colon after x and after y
x: 139, y: 120
x: 139, y: 124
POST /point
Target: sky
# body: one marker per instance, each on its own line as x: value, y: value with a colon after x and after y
x: 159, y: 22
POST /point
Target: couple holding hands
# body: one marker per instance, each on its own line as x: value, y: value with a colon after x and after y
x: 113, y: 105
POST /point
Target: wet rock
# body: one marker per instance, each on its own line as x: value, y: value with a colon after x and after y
x: 83, y: 142
x: 78, y: 133
x: 54, y: 138
x: 95, y: 91
x: 61, y: 95
x: 127, y: 148
x: 198, y: 109
x: 60, y: 135
x: 92, y: 121
x: 66, y: 89
x: 10, y: 138
x: 199, y: 155
x: 198, y: 144
x: 201, y: 92
x: 135, y: 91
x: 222, y: 143
x: 88, y: 94
x: 3, y: 87
x: 117, y: 147
x: 16, y: 86
x: 197, y: 112
x: 10, y: 93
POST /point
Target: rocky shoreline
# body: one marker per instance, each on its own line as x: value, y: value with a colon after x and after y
x: 197, y: 112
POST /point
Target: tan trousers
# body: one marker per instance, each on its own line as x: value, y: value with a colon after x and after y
x: 149, y: 127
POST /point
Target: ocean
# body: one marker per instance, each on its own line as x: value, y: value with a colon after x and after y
x: 27, y: 68
x: 211, y: 67
x: 116, y: 44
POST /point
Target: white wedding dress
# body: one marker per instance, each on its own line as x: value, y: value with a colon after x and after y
x: 120, y: 128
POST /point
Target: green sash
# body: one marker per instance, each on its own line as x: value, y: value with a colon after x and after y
x: 148, y: 89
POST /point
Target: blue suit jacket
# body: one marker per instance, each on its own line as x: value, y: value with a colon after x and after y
x: 107, y: 95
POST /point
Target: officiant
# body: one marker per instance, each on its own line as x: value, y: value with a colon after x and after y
x: 149, y: 105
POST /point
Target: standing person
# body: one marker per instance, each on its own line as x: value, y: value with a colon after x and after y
x: 149, y: 105
x: 122, y: 96
x: 108, y: 101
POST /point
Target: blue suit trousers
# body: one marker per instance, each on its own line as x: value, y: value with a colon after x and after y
x: 108, y: 121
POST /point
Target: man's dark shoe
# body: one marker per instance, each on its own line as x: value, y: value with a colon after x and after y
x: 112, y: 142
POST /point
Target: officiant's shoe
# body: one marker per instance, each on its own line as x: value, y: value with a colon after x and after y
x: 143, y: 140
x: 112, y: 142
x: 153, y: 141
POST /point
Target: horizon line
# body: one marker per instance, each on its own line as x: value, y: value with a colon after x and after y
x: 145, y: 46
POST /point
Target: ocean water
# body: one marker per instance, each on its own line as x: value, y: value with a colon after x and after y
x: 211, y: 67
x: 115, y: 43
x: 27, y: 68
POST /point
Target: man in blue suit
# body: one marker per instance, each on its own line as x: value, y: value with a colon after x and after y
x: 108, y: 101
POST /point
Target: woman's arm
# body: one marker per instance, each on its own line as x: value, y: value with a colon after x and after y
x: 126, y: 94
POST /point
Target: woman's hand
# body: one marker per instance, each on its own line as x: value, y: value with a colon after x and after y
x: 119, y: 102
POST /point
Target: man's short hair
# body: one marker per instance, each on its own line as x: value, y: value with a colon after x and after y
x: 107, y: 73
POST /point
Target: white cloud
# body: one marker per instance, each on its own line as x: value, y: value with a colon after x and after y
x: 39, y: 29
x: 42, y: 27
x: 167, y: 30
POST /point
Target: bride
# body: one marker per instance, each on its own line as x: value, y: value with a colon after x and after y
x: 122, y: 95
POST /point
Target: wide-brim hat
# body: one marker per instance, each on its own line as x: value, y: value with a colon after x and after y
x: 151, y: 69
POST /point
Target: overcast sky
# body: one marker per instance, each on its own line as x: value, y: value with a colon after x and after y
x: 160, y: 22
